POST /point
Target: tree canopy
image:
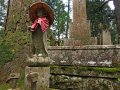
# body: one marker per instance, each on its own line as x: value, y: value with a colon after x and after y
x: 2, y: 12
x: 102, y: 17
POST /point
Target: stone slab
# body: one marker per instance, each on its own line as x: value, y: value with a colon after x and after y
x: 89, y: 55
x: 80, y: 83
x: 106, y: 37
x: 93, y: 72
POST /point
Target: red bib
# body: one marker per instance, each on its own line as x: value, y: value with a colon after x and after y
x: 43, y: 22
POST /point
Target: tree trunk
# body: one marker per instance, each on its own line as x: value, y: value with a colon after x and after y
x: 17, y: 15
x: 18, y: 18
x: 17, y: 21
x: 68, y: 19
x: 117, y: 12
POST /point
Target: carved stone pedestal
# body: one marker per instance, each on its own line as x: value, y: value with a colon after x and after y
x: 39, y: 61
x: 37, y: 74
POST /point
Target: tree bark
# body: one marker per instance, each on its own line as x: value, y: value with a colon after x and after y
x: 68, y: 19
x: 17, y: 20
x: 18, y: 13
x: 117, y: 12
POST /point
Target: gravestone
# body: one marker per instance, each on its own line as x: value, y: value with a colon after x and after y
x: 80, y: 27
x: 106, y: 37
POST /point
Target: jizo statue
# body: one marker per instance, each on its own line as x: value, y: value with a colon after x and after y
x: 42, y: 17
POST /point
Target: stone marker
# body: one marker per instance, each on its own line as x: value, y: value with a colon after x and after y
x: 106, y: 37
x: 80, y: 27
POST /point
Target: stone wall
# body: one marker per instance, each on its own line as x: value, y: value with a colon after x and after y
x: 95, y: 55
x: 85, y: 68
x: 85, y: 78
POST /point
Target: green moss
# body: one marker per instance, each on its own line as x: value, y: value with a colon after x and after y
x: 79, y: 68
x: 4, y: 86
x: 106, y: 69
x: 21, y: 80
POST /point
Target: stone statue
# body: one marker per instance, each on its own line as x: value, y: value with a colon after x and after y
x: 39, y: 37
x: 42, y: 17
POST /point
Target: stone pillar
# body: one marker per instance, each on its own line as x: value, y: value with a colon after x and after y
x: 80, y: 25
x: 80, y: 33
x: 37, y: 78
x: 79, y: 10
x: 37, y: 73
x: 106, y: 37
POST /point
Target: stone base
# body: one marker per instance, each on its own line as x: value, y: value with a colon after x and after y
x: 37, y: 78
x: 80, y: 42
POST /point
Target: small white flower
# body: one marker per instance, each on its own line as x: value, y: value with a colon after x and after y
x: 39, y: 55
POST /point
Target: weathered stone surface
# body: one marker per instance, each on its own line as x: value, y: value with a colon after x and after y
x: 100, y: 84
x: 80, y: 27
x: 106, y: 37
x: 85, y: 78
x: 78, y: 42
x: 38, y: 61
x: 81, y: 83
x: 79, y: 10
x: 102, y: 55
x: 77, y: 71
x: 66, y: 83
x: 43, y: 74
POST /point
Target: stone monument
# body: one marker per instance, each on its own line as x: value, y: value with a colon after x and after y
x: 37, y: 71
x: 106, y: 37
x: 80, y: 27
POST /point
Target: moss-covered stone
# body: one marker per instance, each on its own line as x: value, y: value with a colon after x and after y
x: 85, y: 78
